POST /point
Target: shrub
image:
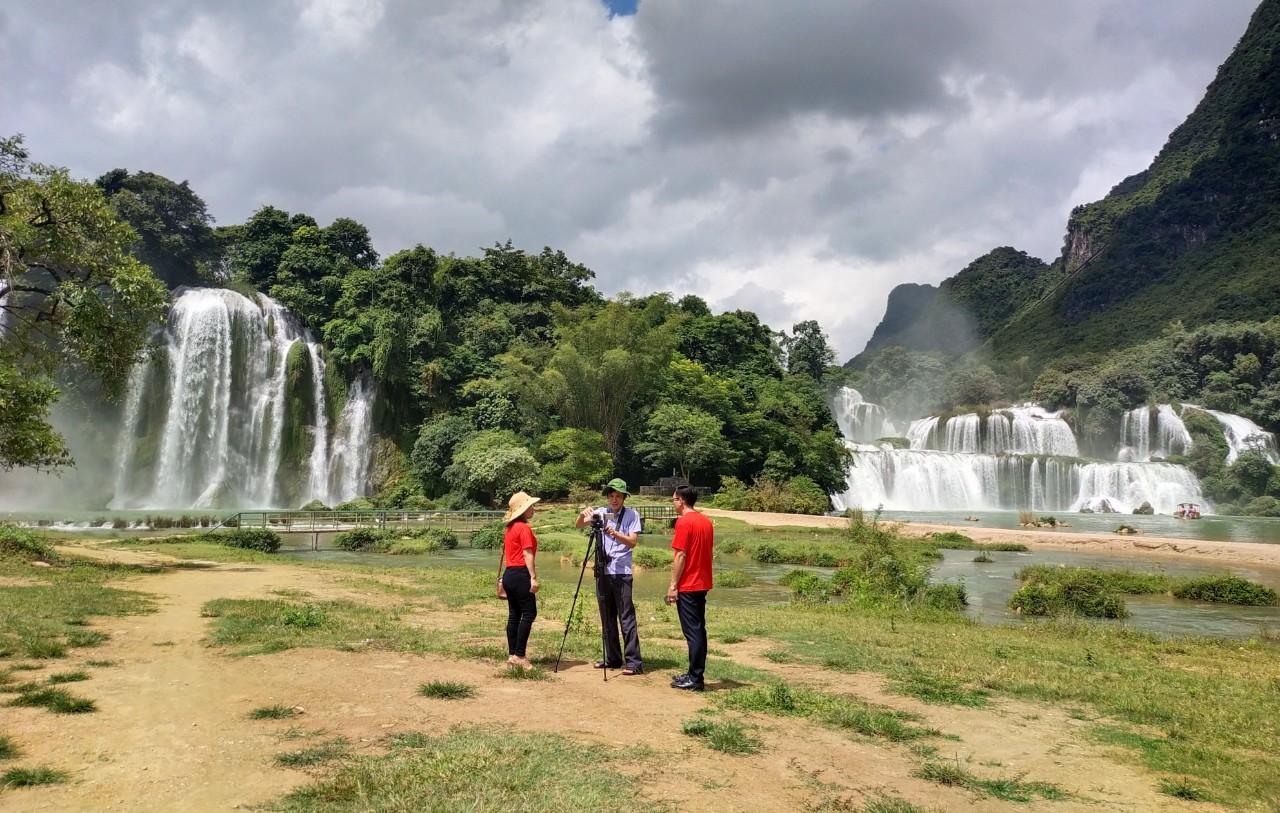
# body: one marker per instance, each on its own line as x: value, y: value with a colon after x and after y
x: 1263, y: 507
x: 949, y: 597
x: 767, y: 553
x: 1082, y: 593
x: 358, y: 504
x: 314, y: 505
x: 361, y: 539
x: 261, y: 539
x: 732, y: 495
x: 653, y: 558
x: 1227, y: 589
x: 948, y: 538
x: 810, y: 588
x: 734, y: 578
x: 489, y: 537
x: 23, y: 544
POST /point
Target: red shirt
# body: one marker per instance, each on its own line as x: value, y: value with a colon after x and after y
x: 694, y: 535
x: 518, y: 537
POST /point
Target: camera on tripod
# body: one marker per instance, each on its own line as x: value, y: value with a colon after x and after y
x: 597, y: 522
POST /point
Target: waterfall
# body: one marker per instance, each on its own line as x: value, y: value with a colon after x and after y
x: 230, y: 412
x: 1026, y: 457
x: 1242, y: 435
x: 1138, y: 445
x: 860, y: 421
x: 348, y: 465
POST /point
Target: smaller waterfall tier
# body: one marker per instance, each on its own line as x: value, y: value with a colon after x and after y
x: 1242, y: 435
x: 1146, y: 433
x: 921, y: 480
x: 1026, y: 429
x: 860, y: 421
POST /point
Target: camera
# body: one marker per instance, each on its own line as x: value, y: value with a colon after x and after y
x: 597, y: 522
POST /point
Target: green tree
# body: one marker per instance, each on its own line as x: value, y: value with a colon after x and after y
x: 572, y: 457
x: 684, y: 437
x: 434, y: 447
x: 71, y: 297
x: 492, y: 465
x: 175, y: 235
x: 807, y: 350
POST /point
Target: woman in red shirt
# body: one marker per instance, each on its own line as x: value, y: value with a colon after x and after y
x: 520, y: 578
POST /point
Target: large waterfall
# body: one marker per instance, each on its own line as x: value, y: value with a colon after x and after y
x: 233, y: 410
x: 1022, y: 457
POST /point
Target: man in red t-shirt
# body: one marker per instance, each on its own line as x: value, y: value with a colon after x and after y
x: 690, y: 582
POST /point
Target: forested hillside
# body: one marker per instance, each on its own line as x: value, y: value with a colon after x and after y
x: 493, y: 373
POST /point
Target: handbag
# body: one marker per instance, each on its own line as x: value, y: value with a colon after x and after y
x: 502, y: 558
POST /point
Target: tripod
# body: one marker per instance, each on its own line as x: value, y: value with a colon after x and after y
x: 596, y: 555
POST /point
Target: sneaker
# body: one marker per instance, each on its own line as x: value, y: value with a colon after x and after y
x: 680, y: 679
x: 688, y: 684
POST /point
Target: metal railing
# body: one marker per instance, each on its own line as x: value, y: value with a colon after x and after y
x: 460, y: 522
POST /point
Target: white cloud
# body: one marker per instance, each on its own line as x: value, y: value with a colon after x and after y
x: 806, y: 158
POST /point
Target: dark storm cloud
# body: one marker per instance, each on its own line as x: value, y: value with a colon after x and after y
x: 802, y: 157
x: 722, y: 66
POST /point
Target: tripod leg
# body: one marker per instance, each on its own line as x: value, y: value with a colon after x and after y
x: 569, y: 621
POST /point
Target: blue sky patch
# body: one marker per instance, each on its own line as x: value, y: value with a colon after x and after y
x: 621, y: 8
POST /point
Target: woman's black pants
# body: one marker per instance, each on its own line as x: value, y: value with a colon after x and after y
x: 522, y: 608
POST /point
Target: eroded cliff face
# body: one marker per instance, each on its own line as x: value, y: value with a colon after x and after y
x: 1080, y: 245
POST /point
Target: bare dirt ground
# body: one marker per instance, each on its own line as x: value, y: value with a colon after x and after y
x: 171, y: 732
x: 1159, y: 547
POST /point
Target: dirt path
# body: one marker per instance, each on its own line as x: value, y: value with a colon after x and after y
x: 1239, y: 553
x: 171, y: 732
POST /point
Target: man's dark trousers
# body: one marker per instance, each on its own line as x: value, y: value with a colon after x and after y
x: 613, y: 593
x: 692, y: 608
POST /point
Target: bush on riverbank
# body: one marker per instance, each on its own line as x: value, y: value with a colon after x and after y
x: 1082, y: 593
x: 397, y: 541
x: 1225, y: 588
x: 259, y: 539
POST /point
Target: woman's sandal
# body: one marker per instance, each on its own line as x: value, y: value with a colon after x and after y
x: 629, y: 671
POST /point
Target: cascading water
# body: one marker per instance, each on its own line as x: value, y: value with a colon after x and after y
x: 1242, y: 435
x: 231, y: 411
x: 859, y: 421
x: 1139, y: 445
x: 1022, y: 457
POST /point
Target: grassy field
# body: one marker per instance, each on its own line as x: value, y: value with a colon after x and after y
x: 1199, y: 713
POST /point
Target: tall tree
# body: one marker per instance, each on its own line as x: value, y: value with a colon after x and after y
x: 72, y: 299
x: 175, y: 235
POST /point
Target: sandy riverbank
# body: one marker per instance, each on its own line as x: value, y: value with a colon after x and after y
x: 1254, y: 554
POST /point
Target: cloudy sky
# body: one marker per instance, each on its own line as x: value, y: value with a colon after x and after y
x: 797, y: 159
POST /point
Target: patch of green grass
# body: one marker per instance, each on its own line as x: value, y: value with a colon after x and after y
x: 8, y: 748
x: 777, y: 655
x: 335, y: 749
x: 1180, y: 788
x: 411, y: 739
x: 100, y: 664
x: 731, y: 638
x: 32, y: 777
x: 68, y: 677
x: 934, y: 689
x: 835, y: 711
x: 481, y: 771
x: 514, y: 672
x: 894, y: 804
x: 41, y: 621
x: 447, y: 690
x: 275, y: 712
x: 58, y: 701
x: 721, y: 735
x: 952, y: 774
x: 261, y: 626
x: 734, y: 578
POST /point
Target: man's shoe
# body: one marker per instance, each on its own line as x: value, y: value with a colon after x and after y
x: 680, y: 678
x: 687, y: 683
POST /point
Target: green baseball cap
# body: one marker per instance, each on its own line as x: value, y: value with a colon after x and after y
x: 617, y: 484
